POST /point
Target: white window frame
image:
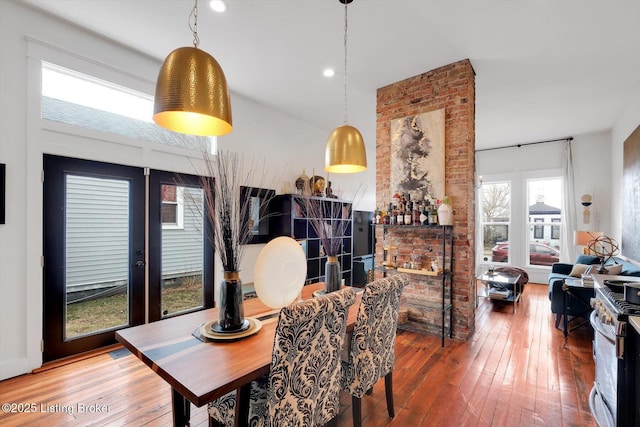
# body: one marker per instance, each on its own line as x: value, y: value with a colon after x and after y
x: 179, y: 224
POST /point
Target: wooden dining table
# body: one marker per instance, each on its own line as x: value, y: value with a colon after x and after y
x: 200, y: 372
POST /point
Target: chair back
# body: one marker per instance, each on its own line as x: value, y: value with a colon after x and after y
x: 372, y: 350
x: 304, y: 381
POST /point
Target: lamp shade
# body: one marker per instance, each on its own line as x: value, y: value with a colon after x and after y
x: 583, y: 238
x: 192, y: 96
x: 345, y: 151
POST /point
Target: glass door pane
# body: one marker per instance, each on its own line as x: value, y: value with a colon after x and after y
x: 96, y: 254
x: 496, y: 219
x: 180, y: 245
x: 182, y: 248
x: 544, y: 220
x: 94, y: 259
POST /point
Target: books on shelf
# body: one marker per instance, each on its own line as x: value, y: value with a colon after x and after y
x: 587, y: 280
x: 496, y: 293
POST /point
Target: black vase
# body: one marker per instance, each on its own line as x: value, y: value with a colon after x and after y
x: 231, y: 312
x: 332, y: 274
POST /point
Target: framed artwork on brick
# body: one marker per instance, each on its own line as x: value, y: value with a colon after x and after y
x: 417, y: 155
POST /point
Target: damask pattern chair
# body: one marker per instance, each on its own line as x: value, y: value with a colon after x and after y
x: 372, y: 349
x: 303, y: 385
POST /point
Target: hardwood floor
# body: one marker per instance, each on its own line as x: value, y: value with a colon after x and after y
x: 513, y: 371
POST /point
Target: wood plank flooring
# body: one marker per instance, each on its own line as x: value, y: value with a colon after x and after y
x: 513, y: 371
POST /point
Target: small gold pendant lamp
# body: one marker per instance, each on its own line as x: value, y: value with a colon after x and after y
x: 345, y: 151
x: 192, y: 95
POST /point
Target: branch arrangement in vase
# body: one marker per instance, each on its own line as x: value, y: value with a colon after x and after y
x: 225, y: 173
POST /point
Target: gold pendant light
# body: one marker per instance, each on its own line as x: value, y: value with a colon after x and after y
x: 345, y: 151
x: 192, y: 96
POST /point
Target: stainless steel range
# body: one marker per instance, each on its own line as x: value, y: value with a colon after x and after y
x: 613, y: 398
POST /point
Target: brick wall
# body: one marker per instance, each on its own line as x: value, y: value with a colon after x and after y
x: 451, y: 87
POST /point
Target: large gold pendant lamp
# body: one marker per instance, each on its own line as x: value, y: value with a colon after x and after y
x: 192, y: 96
x: 345, y: 151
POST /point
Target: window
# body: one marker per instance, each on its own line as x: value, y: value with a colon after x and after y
x: 172, y: 206
x: 544, y: 197
x: 538, y: 230
x: 496, y: 219
x: 88, y: 102
x: 555, y: 229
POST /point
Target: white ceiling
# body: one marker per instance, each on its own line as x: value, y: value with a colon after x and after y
x: 545, y: 69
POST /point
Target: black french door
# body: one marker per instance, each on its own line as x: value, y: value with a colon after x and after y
x: 95, y: 259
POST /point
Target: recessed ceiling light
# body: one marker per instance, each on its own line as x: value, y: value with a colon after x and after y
x: 218, y: 5
x: 329, y: 72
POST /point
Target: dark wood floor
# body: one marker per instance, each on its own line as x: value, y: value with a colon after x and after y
x: 513, y: 371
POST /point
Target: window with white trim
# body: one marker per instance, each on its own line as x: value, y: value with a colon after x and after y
x: 172, y: 206
x: 78, y: 99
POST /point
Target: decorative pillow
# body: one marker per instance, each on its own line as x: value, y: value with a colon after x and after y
x: 614, y: 269
x: 578, y: 269
x: 587, y: 259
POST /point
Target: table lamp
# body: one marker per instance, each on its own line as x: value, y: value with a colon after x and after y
x: 584, y: 238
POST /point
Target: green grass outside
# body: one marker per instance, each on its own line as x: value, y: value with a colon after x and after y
x: 109, y: 312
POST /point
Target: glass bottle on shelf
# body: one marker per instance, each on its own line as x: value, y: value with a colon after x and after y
x: 433, y: 214
x: 394, y: 253
x: 416, y: 213
x: 408, y: 214
x: 400, y: 219
x: 385, y: 251
x: 424, y: 215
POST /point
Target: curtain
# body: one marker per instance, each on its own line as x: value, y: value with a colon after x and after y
x: 567, y: 248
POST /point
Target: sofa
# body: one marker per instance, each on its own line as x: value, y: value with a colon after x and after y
x: 580, y: 303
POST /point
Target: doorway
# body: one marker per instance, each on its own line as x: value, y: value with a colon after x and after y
x: 121, y: 247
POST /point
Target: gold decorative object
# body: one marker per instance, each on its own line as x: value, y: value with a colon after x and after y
x: 345, y: 151
x: 606, y: 248
x: 192, y: 96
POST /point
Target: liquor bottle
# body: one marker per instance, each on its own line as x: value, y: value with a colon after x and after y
x: 416, y: 213
x: 388, y: 217
x: 433, y: 213
x: 424, y: 215
x: 408, y: 214
x: 378, y: 215
x: 400, y: 220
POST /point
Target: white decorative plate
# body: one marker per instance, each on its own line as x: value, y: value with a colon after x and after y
x: 280, y: 272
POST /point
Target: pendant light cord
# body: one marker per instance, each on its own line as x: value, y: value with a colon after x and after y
x: 345, y: 63
x: 194, y: 28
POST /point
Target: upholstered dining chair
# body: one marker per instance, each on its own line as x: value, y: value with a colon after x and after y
x: 303, y: 385
x: 371, y: 354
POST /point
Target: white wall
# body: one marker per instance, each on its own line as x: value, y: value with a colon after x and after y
x: 592, y: 174
x: 26, y: 36
x: 628, y: 121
